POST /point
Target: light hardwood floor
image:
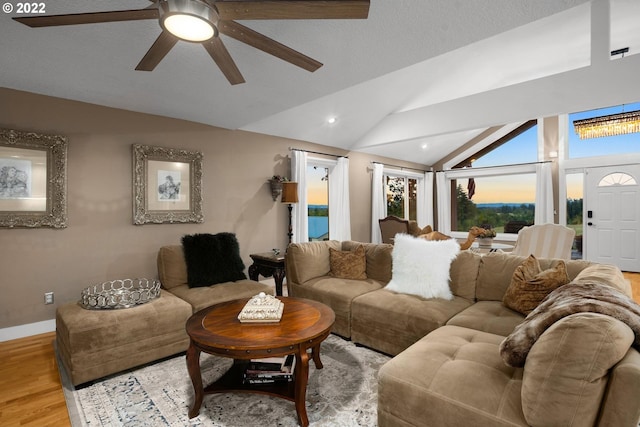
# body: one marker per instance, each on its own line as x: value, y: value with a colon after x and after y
x: 30, y: 389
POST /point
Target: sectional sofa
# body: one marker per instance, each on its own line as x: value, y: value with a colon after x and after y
x: 449, y: 367
x: 94, y: 343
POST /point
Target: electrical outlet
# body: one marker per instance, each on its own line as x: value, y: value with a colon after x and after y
x: 48, y: 297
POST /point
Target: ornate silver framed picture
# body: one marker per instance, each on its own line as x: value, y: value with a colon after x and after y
x: 167, y: 185
x: 33, y: 180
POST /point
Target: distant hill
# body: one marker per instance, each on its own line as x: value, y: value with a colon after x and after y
x: 499, y: 205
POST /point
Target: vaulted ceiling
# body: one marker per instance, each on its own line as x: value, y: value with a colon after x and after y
x: 413, y: 81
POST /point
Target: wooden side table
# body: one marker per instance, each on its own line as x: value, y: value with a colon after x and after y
x: 267, y: 264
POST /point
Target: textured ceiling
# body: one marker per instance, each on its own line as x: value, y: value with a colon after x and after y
x: 413, y: 81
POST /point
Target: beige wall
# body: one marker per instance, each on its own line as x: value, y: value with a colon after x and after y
x: 100, y: 242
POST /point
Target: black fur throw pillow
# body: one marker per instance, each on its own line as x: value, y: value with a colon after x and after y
x: 212, y: 258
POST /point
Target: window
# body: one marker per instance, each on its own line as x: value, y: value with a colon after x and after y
x: 522, y: 148
x: 401, y: 194
x: 318, y: 202
x: 617, y: 178
x: 499, y: 192
x: 575, y: 196
x: 497, y: 201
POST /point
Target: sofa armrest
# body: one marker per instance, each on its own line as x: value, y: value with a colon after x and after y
x: 620, y: 406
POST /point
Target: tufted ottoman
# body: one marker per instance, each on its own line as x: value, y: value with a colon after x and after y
x: 96, y: 343
x: 451, y: 376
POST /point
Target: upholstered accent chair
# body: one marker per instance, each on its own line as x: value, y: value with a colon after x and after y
x: 392, y: 225
x: 545, y: 241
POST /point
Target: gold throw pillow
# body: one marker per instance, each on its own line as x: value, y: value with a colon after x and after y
x: 530, y: 285
x: 348, y: 264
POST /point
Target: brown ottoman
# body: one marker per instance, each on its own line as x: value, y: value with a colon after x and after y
x: 96, y: 343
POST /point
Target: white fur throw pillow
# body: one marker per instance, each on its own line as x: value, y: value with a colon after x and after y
x: 421, y: 267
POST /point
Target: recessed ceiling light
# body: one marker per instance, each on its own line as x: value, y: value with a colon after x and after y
x: 331, y: 120
x: 424, y: 146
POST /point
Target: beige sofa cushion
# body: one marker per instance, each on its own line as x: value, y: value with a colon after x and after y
x: 607, y: 274
x: 172, y: 268
x: 464, y: 273
x: 336, y: 293
x: 567, y: 369
x: 307, y: 260
x: 488, y: 316
x: 494, y: 275
x: 452, y: 377
x: 497, y: 268
x: 378, y: 259
x: 205, y: 296
x: 391, y: 322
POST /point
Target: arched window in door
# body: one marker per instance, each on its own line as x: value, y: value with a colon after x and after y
x: 617, y: 178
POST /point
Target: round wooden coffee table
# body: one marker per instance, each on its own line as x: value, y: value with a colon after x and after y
x: 217, y: 330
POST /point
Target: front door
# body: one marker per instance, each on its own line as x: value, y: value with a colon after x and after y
x: 612, y: 216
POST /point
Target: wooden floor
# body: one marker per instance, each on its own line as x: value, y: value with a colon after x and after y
x: 635, y: 285
x: 30, y: 389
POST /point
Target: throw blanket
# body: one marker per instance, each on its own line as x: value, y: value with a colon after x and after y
x: 566, y: 300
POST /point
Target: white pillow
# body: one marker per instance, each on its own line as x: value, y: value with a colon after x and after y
x: 421, y: 267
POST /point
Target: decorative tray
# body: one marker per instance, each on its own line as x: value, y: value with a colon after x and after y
x: 121, y: 293
x: 262, y: 308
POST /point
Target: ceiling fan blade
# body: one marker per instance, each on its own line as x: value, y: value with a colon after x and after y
x: 89, y: 18
x: 291, y: 9
x: 157, y: 51
x: 221, y: 56
x: 265, y: 44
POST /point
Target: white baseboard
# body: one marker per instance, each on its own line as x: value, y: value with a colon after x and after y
x: 15, y: 332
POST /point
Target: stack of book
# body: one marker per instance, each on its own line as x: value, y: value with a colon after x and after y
x: 270, y: 370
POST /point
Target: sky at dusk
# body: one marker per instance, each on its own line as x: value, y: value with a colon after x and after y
x: 317, y: 193
x: 520, y: 188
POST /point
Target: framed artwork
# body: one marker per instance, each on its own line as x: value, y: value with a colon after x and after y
x: 33, y: 180
x: 167, y: 185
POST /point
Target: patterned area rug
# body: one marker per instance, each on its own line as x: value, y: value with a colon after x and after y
x: 343, y: 393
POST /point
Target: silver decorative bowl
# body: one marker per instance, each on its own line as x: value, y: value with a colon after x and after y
x: 121, y: 293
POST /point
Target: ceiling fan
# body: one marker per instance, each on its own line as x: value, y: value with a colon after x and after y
x: 201, y: 21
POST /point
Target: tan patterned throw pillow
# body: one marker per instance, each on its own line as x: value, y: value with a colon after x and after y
x: 530, y: 285
x: 348, y: 264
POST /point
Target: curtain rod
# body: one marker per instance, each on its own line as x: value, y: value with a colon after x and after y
x: 498, y: 166
x: 317, y: 152
x: 401, y: 167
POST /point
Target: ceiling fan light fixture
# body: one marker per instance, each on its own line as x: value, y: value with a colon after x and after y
x: 189, y: 20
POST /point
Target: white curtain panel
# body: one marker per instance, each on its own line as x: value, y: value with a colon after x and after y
x: 377, y: 202
x: 544, y: 194
x: 300, y: 210
x: 444, y: 203
x: 339, y: 209
x: 425, y: 201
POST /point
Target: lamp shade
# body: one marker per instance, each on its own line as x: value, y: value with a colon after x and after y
x: 289, y: 192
